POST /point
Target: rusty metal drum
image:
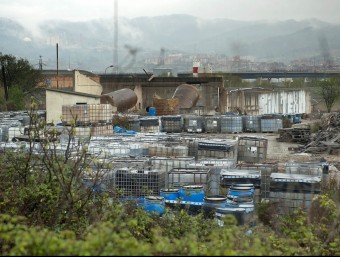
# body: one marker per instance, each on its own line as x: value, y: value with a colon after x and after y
x: 187, y: 95
x: 123, y: 99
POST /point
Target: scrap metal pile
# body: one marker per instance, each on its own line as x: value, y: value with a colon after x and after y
x: 298, y: 134
x: 327, y: 139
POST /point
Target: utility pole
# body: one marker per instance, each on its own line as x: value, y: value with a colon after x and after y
x: 57, y: 67
x: 115, y: 58
x: 41, y: 63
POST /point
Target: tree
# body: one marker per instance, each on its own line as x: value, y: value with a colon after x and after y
x: 19, y: 73
x: 15, y: 99
x: 56, y: 189
x: 297, y: 83
x: 232, y: 80
x: 329, y: 91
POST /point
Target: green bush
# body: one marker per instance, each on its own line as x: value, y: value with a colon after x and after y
x: 46, y: 210
x: 16, y: 99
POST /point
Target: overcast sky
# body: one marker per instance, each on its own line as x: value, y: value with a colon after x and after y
x: 29, y: 12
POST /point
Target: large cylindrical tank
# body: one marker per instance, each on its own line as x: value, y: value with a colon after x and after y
x: 123, y: 99
x: 187, y: 95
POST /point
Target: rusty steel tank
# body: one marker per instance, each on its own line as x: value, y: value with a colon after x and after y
x: 187, y: 95
x: 123, y: 99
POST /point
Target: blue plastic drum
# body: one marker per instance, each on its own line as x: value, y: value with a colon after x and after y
x: 192, y: 193
x: 241, y: 193
x: 154, y: 205
x: 239, y: 214
x: 243, y: 188
x: 211, y: 203
x: 170, y: 193
x: 152, y: 111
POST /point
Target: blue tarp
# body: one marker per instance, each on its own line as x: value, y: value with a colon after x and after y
x: 123, y: 131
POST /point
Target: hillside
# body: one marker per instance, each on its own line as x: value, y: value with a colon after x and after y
x: 90, y: 45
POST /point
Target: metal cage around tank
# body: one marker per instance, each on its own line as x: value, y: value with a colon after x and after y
x: 289, y: 192
x: 315, y: 168
x: 193, y: 124
x: 212, y: 124
x: 266, y: 170
x: 231, y: 124
x: 134, y: 124
x: 179, y: 177
x: 252, y: 149
x: 238, y: 176
x: 214, y: 148
x: 149, y: 124
x: 271, y: 123
x: 172, y: 123
x: 132, y: 182
x: 251, y: 123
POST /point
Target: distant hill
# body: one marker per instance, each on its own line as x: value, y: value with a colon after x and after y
x: 90, y: 45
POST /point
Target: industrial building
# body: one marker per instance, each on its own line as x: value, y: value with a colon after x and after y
x: 191, y: 134
x: 213, y: 98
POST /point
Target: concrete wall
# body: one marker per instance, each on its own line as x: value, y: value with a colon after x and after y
x: 84, y: 84
x: 139, y: 92
x: 297, y: 101
x: 56, y: 99
x: 165, y: 88
x: 257, y: 102
x: 65, y: 78
x: 61, y: 82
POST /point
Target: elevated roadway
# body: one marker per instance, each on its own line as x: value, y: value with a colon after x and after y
x: 284, y: 74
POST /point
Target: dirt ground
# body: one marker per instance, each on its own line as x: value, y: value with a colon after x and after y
x: 280, y: 153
